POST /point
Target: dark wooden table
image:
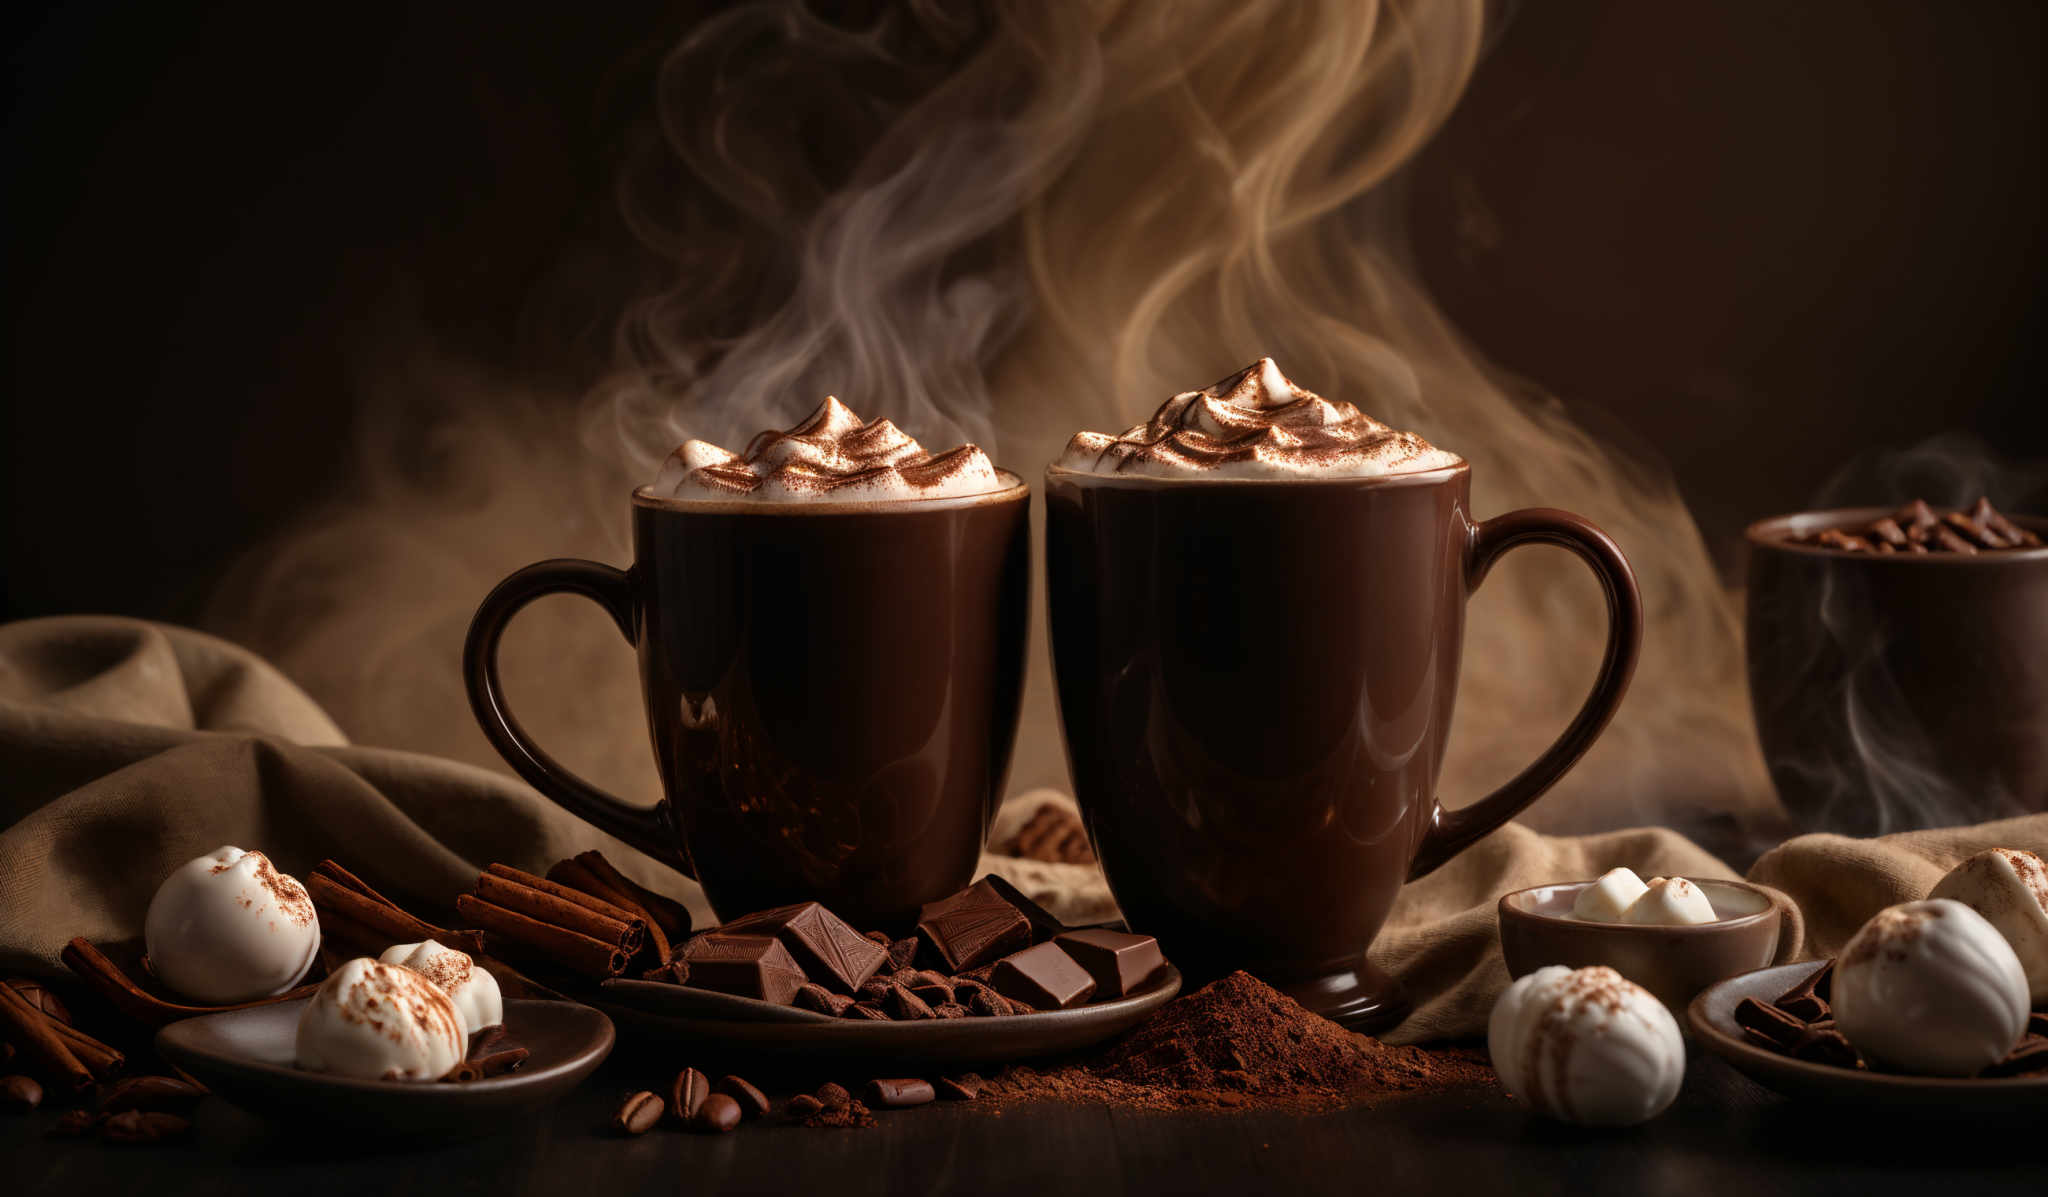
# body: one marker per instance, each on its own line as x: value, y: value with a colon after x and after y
x: 1725, y: 1137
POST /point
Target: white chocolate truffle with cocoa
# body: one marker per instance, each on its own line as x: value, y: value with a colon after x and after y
x: 1670, y: 902
x: 228, y: 927
x: 378, y: 1021
x: 1930, y: 988
x: 1587, y: 1046
x: 474, y: 991
x: 1605, y: 899
x: 2009, y: 887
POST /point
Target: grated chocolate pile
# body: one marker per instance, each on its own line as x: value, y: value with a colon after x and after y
x: 1239, y: 1043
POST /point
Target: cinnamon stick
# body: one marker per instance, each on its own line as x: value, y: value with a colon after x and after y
x: 560, y: 906
x: 113, y: 983
x: 579, y: 876
x: 477, y: 1068
x: 353, y: 912
x: 572, y: 950
x: 36, y: 1034
x: 673, y: 916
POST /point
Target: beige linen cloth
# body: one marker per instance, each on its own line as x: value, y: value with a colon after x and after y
x: 127, y: 748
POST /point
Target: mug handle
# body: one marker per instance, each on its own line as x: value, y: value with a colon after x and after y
x: 642, y: 827
x: 1452, y: 831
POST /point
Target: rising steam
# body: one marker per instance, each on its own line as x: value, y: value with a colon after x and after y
x: 1001, y: 227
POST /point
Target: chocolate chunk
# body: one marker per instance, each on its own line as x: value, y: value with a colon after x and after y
x: 825, y: 946
x: 151, y: 1093
x: 949, y: 1010
x: 866, y: 1010
x: 973, y: 927
x: 19, y: 1094
x: 876, y: 991
x: 2029, y: 1057
x: 687, y: 1092
x: 753, y: 1102
x: 902, y: 952
x: 1043, y: 978
x: 1826, y: 1046
x: 898, y: 1094
x: 637, y: 1114
x: 755, y: 966
x: 933, y: 988
x: 716, y: 1116
x: 803, y: 1105
x: 832, y: 1095
x: 988, y: 1003
x: 1043, y: 925
x: 142, y: 1126
x: 1774, y: 1027
x: 905, y: 1006
x: 1121, y: 963
x: 814, y: 996
x: 1808, y: 1000
x: 965, y: 1088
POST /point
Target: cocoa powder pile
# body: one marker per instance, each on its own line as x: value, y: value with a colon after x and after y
x: 1239, y: 1043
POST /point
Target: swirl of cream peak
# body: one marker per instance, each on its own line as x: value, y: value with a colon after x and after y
x: 832, y: 455
x: 1255, y: 424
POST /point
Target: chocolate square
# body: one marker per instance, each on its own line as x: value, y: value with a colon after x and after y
x: 1043, y: 925
x: 825, y: 945
x: 973, y: 927
x: 1044, y: 978
x: 1120, y: 962
x: 755, y: 966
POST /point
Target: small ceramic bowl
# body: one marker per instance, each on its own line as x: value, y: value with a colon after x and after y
x: 1673, y: 962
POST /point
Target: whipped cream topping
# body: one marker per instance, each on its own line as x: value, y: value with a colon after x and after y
x: 1254, y: 424
x: 378, y: 1021
x: 831, y: 456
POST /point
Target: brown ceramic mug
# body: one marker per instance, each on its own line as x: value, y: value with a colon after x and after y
x: 832, y: 690
x: 1256, y: 681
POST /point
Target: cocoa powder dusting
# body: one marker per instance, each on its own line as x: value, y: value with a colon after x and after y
x: 1236, y: 1044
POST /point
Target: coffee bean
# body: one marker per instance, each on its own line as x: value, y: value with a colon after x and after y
x: 753, y: 1102
x: 898, y: 1094
x: 150, y: 1093
x: 637, y: 1114
x: 717, y: 1115
x: 686, y: 1093
x: 803, y: 1105
x: 143, y: 1126
x: 949, y: 1010
x: 965, y: 1088
x: 19, y: 1094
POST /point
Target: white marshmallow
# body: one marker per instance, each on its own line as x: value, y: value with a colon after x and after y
x: 1605, y: 899
x: 1930, y: 988
x: 474, y: 991
x: 2009, y: 887
x: 1586, y: 1046
x: 1670, y: 902
x: 377, y: 1021
x: 228, y: 927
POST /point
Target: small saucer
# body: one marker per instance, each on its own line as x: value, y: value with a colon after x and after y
x: 760, y: 1029
x: 245, y: 1056
x: 1712, y: 1015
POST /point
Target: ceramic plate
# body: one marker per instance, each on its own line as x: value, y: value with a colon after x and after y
x: 676, y: 1013
x: 245, y: 1056
x: 1712, y: 1015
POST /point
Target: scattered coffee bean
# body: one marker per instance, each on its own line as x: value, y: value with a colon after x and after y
x: 73, y: 1123
x: 143, y: 1126
x: 832, y: 1095
x: 803, y: 1105
x: 717, y: 1115
x: 753, y: 1102
x: 19, y: 1094
x: 686, y: 1094
x: 897, y: 1094
x: 965, y: 1088
x: 638, y: 1113
x: 150, y: 1093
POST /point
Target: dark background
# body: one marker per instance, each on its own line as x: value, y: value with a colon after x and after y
x: 1763, y: 242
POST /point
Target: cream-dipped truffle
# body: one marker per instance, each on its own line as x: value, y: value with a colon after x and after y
x: 474, y: 991
x: 228, y: 927
x: 2009, y: 887
x: 1587, y: 1046
x: 1930, y: 988
x: 1669, y: 902
x: 378, y: 1021
x: 1605, y: 899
